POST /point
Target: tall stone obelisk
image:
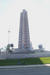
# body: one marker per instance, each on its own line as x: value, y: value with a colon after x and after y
x: 24, y: 38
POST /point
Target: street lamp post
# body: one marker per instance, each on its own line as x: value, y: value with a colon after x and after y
x: 8, y: 41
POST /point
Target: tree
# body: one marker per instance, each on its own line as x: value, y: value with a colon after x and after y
x: 10, y: 47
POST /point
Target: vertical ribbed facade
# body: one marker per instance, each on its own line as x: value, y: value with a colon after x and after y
x: 24, y: 38
x: 20, y: 31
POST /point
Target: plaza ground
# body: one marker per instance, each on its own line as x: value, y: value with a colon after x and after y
x: 40, y: 70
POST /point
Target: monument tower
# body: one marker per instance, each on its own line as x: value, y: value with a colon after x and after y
x: 24, y: 38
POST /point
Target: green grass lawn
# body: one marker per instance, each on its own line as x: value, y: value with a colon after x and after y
x: 26, y: 61
x: 45, y: 60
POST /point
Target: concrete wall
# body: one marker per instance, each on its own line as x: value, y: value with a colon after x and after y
x: 14, y: 56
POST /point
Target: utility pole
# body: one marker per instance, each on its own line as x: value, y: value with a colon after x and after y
x: 8, y: 46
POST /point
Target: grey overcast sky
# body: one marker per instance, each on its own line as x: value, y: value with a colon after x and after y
x: 38, y: 16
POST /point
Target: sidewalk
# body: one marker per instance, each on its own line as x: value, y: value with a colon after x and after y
x: 15, y: 66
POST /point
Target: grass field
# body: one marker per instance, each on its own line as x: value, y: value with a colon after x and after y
x: 26, y: 61
x: 45, y: 60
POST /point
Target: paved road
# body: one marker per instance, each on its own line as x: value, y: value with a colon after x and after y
x: 43, y: 70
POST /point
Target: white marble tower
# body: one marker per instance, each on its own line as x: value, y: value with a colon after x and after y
x: 24, y: 38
